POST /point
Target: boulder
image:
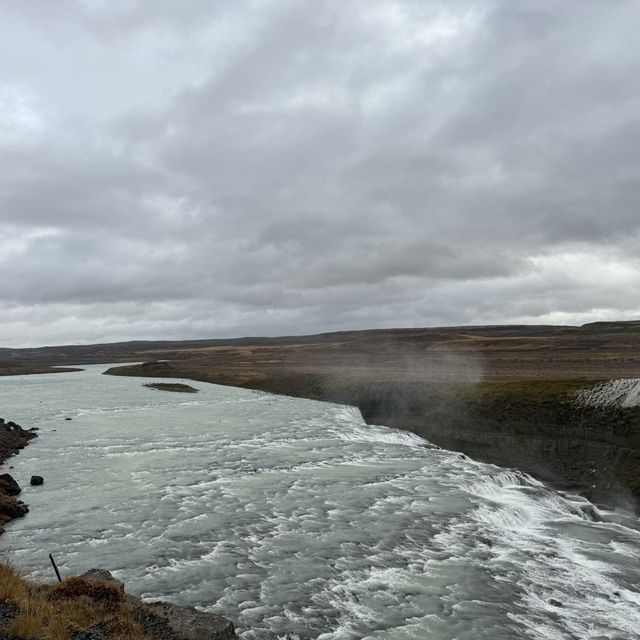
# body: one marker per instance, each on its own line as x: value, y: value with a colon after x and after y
x: 102, y: 575
x: 8, y: 485
x: 11, y: 508
x: 188, y: 623
x: 37, y: 481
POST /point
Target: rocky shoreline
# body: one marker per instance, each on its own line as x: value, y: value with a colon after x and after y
x: 155, y: 621
x: 95, y: 606
x: 13, y: 438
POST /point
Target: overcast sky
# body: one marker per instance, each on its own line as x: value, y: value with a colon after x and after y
x: 262, y: 167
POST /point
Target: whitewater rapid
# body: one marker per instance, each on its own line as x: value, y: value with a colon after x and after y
x: 623, y: 392
x: 294, y: 517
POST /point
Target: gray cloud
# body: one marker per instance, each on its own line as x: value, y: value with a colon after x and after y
x: 268, y: 167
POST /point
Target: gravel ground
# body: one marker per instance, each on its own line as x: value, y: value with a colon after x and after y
x: 8, y: 612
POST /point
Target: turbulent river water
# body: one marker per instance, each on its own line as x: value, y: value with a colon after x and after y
x: 294, y: 517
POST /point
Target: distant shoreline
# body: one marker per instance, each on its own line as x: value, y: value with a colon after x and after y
x: 501, y: 394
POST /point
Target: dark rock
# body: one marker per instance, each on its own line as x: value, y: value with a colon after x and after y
x: 8, y: 611
x: 97, y: 632
x: 37, y: 481
x: 11, y: 508
x: 555, y: 603
x: 590, y: 513
x: 163, y: 621
x: 12, y: 439
x: 153, y: 625
x: 102, y: 575
x: 8, y: 485
x: 188, y: 623
x: 67, y: 418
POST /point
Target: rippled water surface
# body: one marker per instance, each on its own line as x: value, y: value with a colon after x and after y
x: 293, y: 516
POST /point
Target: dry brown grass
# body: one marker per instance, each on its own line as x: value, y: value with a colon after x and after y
x: 123, y: 628
x: 107, y: 595
x: 38, y: 620
x: 13, y: 587
x: 54, y: 612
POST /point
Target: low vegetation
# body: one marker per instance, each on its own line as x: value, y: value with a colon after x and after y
x: 176, y: 387
x: 19, y: 368
x: 59, y: 611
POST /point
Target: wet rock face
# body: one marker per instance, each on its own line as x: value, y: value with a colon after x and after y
x: 8, y: 485
x: 10, y: 508
x: 188, y: 623
x: 37, y: 481
x: 12, y: 438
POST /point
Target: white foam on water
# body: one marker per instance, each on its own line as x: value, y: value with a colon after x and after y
x: 368, y: 434
x: 624, y: 393
x: 568, y: 584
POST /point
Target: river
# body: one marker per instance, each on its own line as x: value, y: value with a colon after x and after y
x: 292, y: 516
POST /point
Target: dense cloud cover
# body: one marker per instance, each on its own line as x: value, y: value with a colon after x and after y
x: 207, y: 169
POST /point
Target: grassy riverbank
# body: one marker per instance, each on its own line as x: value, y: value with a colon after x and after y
x: 94, y: 606
x: 55, y: 612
